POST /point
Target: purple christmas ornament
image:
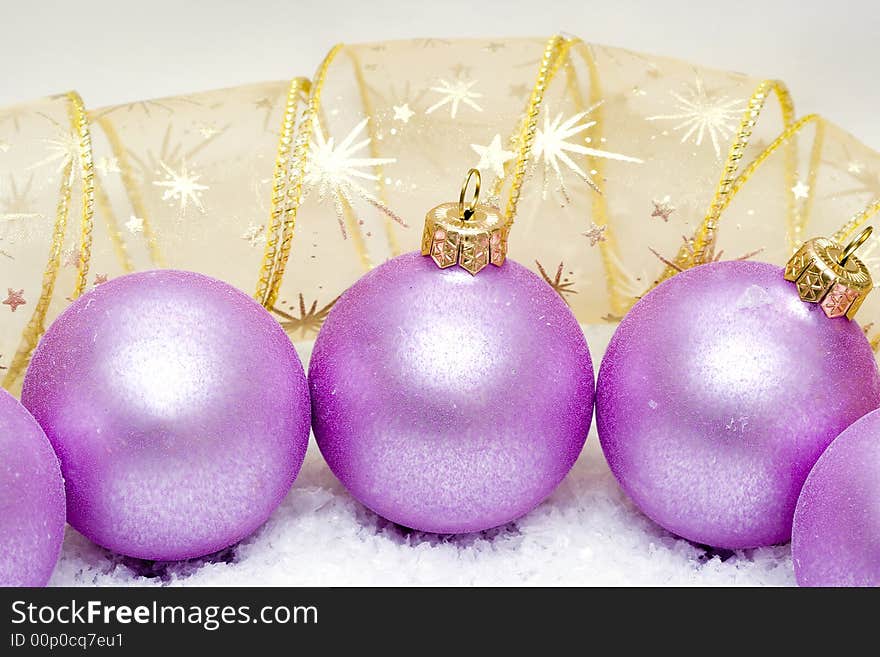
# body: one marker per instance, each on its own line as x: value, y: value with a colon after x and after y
x: 836, y: 535
x: 31, y: 499
x: 718, y: 392
x: 448, y: 402
x: 178, y: 408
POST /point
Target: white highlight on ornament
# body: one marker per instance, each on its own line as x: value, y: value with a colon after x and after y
x: 755, y: 296
x: 163, y: 383
x: 445, y: 340
x: 736, y: 362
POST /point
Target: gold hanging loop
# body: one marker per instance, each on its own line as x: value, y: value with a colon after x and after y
x: 856, y: 242
x: 467, y: 212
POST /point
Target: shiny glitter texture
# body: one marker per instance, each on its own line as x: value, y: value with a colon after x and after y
x: 448, y: 402
x: 718, y: 392
x: 178, y: 408
x: 836, y: 536
x: 31, y: 499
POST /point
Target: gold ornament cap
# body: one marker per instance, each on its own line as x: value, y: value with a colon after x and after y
x: 471, y: 235
x: 829, y: 274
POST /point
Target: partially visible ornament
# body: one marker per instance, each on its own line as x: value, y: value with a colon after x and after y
x: 836, y: 535
x: 31, y: 499
x: 452, y: 399
x: 721, y: 388
x: 178, y: 408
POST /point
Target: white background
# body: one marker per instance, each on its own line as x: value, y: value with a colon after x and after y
x: 116, y: 51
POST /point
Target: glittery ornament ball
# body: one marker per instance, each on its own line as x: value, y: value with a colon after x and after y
x: 448, y: 402
x: 31, y: 499
x: 717, y: 394
x: 178, y: 408
x: 836, y: 536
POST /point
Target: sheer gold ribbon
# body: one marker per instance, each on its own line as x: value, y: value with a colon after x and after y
x: 556, y: 54
x: 80, y: 126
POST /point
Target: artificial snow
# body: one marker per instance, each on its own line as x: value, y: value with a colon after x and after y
x: 586, y: 533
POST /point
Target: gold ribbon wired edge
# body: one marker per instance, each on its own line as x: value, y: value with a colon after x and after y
x: 292, y: 161
x: 284, y: 204
x: 79, y: 123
